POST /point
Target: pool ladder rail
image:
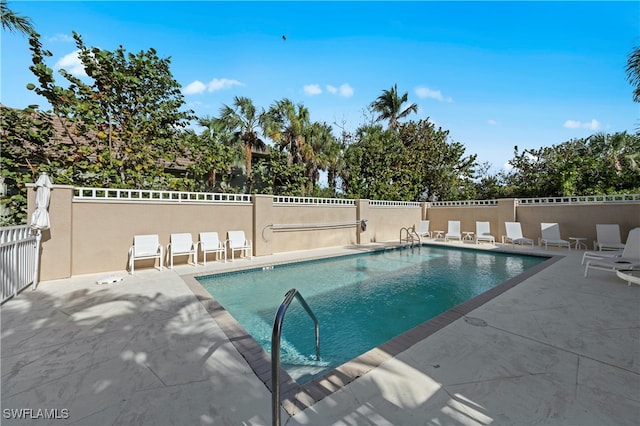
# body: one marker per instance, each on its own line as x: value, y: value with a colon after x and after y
x: 275, y: 348
x: 410, y: 235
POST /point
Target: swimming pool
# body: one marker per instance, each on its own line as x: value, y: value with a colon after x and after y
x: 361, y: 301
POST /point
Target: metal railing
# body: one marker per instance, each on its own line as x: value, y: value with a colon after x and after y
x: 275, y: 348
x: 411, y: 235
x: 18, y: 257
x: 311, y: 226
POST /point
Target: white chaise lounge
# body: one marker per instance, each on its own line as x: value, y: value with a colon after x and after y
x: 551, y: 236
x: 423, y: 229
x: 144, y: 247
x: 629, y: 260
x: 608, y: 237
x: 514, y: 235
x: 453, y: 231
x: 483, y: 232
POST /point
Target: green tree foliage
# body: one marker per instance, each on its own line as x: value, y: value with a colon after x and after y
x: 26, y: 150
x: 130, y: 113
x: 369, y: 164
x: 275, y: 176
x: 599, y: 164
x: 317, y: 151
x: 441, y: 170
x: 389, y: 106
x: 633, y: 72
x: 208, y: 160
x: 13, y: 22
x: 242, y: 120
x: 285, y: 123
x: 414, y: 163
x: 212, y: 138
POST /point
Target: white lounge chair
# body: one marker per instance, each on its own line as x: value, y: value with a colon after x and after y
x: 210, y: 243
x: 453, y: 231
x: 423, y: 229
x: 514, y: 235
x: 180, y: 245
x: 608, y: 237
x: 144, y: 247
x: 629, y: 260
x: 551, y: 236
x: 237, y: 241
x: 483, y: 232
x: 604, y: 254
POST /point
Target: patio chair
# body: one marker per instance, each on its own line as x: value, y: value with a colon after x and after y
x: 629, y: 260
x: 604, y: 254
x: 180, y: 245
x: 608, y: 237
x: 210, y: 243
x: 237, y: 241
x: 483, y: 232
x: 514, y: 235
x: 453, y: 231
x: 423, y: 229
x: 144, y: 247
x: 551, y: 236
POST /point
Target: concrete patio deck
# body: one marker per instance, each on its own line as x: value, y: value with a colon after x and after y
x: 557, y: 349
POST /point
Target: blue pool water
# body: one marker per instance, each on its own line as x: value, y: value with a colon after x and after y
x: 361, y: 301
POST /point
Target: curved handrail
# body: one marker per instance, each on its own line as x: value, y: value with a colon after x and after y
x: 412, y: 235
x: 275, y: 348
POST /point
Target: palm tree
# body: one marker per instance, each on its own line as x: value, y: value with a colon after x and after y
x: 335, y: 163
x: 13, y: 22
x: 389, y: 106
x: 614, y: 148
x: 633, y: 72
x: 243, y: 120
x: 285, y: 124
x: 319, y: 139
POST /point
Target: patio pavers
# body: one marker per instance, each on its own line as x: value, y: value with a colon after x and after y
x: 556, y: 349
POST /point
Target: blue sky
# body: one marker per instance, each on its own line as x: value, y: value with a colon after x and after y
x: 495, y: 74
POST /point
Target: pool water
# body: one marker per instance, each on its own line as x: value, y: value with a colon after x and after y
x: 361, y: 301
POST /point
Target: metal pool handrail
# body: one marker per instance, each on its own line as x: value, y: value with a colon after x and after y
x: 412, y: 235
x: 275, y: 348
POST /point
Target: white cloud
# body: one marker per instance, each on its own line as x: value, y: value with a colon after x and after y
x: 492, y: 122
x: 332, y: 89
x: 345, y: 90
x: 222, y: 83
x: 72, y: 64
x: 60, y: 37
x: 312, y: 89
x: 591, y: 125
x: 424, y: 93
x: 195, y: 87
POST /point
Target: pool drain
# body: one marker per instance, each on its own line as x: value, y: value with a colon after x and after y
x: 477, y: 322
